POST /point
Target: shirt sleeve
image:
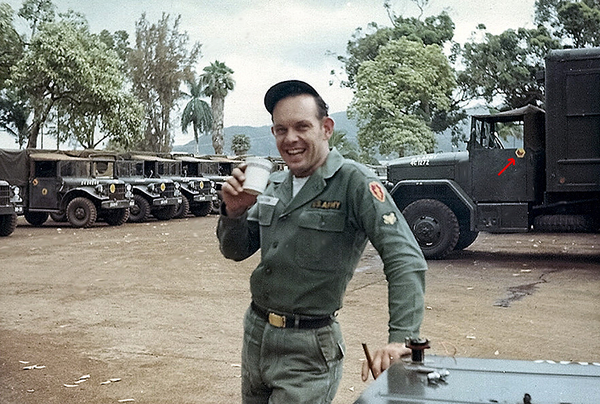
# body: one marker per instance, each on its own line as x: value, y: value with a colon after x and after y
x: 404, y: 264
x: 239, y: 237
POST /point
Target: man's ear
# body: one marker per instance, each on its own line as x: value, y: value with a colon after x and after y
x: 328, y: 125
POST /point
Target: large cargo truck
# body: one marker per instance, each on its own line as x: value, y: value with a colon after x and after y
x: 550, y: 181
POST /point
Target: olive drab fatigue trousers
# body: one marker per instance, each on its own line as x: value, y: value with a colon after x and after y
x: 288, y: 365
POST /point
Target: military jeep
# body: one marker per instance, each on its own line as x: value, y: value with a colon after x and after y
x: 82, y: 189
x: 198, y: 192
x: 157, y: 196
x: 10, y: 206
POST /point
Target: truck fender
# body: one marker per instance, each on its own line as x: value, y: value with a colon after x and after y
x: 448, y: 191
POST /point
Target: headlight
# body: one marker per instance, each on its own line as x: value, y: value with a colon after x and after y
x: 163, y: 186
x: 201, y: 183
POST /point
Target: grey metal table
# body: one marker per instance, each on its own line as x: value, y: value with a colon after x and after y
x: 485, y: 381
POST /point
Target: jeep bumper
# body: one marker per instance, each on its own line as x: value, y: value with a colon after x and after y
x: 122, y: 204
x: 166, y: 201
x: 205, y: 198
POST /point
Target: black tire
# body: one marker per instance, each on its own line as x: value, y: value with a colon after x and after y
x: 564, y: 223
x: 140, y: 211
x: 81, y: 212
x: 8, y: 224
x: 36, y: 218
x: 59, y: 217
x: 216, y: 204
x: 434, y: 225
x: 116, y: 217
x: 466, y: 236
x: 165, y: 212
x: 201, y: 209
x: 183, y: 209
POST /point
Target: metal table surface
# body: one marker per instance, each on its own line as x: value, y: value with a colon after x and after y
x: 485, y: 381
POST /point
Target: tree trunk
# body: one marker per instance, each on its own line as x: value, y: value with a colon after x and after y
x: 217, y: 105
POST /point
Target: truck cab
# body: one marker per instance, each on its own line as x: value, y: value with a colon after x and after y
x: 547, y: 179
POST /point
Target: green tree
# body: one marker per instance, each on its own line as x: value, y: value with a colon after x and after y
x: 218, y: 81
x: 37, y: 12
x: 343, y: 145
x: 240, y: 144
x: 159, y: 63
x: 502, y: 68
x: 197, y: 111
x: 397, y: 94
x: 67, y: 70
x: 365, y: 44
x: 574, y: 23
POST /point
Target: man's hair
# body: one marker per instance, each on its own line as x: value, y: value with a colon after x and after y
x: 292, y: 88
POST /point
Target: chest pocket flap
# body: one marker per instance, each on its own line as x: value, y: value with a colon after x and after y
x: 323, y: 220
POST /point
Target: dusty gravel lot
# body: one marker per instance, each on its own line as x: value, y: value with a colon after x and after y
x: 156, y: 308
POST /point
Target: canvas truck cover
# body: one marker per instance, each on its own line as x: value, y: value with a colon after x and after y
x: 14, y: 167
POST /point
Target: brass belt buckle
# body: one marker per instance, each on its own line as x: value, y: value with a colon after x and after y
x: 276, y: 320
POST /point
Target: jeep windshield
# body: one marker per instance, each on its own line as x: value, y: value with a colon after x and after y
x: 75, y: 169
x: 130, y: 169
x: 103, y: 169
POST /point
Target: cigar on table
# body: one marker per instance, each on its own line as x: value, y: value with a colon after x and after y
x: 369, y: 361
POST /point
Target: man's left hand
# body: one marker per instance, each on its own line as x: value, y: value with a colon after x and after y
x: 383, y: 358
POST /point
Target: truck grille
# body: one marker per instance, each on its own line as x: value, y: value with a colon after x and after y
x: 4, y: 195
x: 119, y: 193
x: 169, y: 191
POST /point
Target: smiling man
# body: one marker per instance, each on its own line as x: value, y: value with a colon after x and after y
x: 312, y: 224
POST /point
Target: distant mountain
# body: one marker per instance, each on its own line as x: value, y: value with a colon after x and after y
x: 262, y: 142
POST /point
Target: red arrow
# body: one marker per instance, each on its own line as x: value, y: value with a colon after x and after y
x: 511, y: 161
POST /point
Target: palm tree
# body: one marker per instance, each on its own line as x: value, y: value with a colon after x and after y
x: 344, y: 146
x: 197, y: 111
x: 218, y: 81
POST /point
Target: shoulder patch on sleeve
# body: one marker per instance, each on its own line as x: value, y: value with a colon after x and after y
x: 377, y: 191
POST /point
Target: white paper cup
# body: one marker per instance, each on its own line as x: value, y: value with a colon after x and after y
x: 257, y: 175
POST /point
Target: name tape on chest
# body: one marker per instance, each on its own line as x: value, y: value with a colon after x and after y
x: 318, y: 204
x: 377, y: 191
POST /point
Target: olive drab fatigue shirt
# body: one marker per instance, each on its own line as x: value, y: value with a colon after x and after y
x: 311, y: 244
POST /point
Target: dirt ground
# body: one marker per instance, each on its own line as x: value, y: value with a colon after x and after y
x: 152, y: 312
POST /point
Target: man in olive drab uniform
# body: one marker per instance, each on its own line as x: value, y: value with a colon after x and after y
x: 312, y: 224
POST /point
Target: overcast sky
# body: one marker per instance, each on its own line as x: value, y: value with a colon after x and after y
x: 265, y: 41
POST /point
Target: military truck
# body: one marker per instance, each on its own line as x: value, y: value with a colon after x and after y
x: 550, y: 182
x: 215, y: 168
x: 10, y: 207
x: 198, y: 193
x: 158, y: 197
x: 54, y: 182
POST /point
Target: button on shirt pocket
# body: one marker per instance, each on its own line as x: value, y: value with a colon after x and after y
x: 319, y: 244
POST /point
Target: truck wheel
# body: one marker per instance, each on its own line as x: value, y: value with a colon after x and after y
x: 140, y: 211
x: 36, y: 218
x: 434, y: 225
x: 59, y: 217
x: 183, y: 209
x: 216, y: 204
x: 165, y: 212
x: 8, y: 224
x: 116, y: 217
x: 81, y: 212
x: 466, y: 237
x: 201, y: 209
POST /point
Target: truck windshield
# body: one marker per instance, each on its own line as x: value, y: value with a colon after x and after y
x: 75, y: 169
x: 103, y: 169
x: 130, y: 169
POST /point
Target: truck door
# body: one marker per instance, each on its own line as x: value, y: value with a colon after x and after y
x: 44, y: 186
x: 500, y: 174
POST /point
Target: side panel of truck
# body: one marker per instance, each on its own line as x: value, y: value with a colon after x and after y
x: 573, y: 121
